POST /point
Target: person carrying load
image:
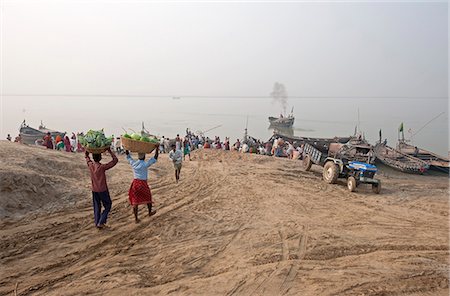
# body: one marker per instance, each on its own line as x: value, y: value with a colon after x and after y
x: 139, y: 193
x: 100, y: 192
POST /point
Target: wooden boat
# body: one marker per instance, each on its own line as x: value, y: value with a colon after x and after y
x: 398, y: 160
x: 29, y: 135
x: 436, y: 162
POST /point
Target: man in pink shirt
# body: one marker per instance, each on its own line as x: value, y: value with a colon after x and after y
x: 100, y: 193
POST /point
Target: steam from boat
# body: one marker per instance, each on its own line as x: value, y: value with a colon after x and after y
x: 279, y: 95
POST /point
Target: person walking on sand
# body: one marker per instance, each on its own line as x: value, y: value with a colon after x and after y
x: 187, y: 149
x: 177, y: 158
x: 178, y: 142
x: 139, y: 193
x: 100, y: 192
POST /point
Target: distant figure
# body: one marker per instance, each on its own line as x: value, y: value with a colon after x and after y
x: 8, y: 137
x: 245, y: 148
x: 290, y: 150
x: 60, y: 146
x: 416, y: 151
x: 73, y: 142
x: 166, y: 145
x: 227, y: 143
x: 178, y: 142
x: 80, y: 147
x: 177, y: 158
x: 268, y: 148
x: 100, y: 192
x: 118, y: 145
x: 161, y: 145
x: 237, y: 145
x: 186, y: 149
x: 67, y: 145
x: 139, y: 193
x: 58, y: 139
x: 48, y: 141
x: 300, y: 151
x: 18, y: 139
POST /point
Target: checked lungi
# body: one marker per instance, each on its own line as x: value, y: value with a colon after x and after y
x: 139, y: 193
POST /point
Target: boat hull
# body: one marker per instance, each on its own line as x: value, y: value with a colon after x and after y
x: 399, y: 161
x: 436, y: 162
x: 282, y: 122
x: 29, y: 135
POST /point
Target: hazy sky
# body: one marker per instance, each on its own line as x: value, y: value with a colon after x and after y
x: 136, y: 47
x: 344, y: 49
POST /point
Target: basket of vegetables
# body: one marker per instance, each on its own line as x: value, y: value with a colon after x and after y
x: 138, y: 143
x: 95, y: 141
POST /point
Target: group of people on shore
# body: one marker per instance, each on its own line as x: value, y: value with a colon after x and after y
x: 178, y: 148
x: 275, y: 147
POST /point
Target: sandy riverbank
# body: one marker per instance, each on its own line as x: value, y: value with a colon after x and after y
x: 235, y: 225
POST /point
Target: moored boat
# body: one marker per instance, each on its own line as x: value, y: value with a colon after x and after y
x: 29, y: 135
x: 399, y: 160
x: 436, y: 162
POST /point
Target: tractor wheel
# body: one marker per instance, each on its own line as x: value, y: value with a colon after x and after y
x: 351, y: 183
x: 307, y: 163
x: 330, y: 172
x: 376, y: 188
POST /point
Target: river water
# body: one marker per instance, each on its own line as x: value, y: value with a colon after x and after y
x: 314, y: 117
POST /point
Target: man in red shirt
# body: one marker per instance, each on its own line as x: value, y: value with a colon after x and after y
x: 100, y: 193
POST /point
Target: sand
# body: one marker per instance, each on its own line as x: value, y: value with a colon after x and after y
x: 235, y: 225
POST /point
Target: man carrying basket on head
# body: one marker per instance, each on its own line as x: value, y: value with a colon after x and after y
x: 139, y: 193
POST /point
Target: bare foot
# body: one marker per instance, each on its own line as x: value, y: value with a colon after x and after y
x: 152, y: 213
x: 137, y: 221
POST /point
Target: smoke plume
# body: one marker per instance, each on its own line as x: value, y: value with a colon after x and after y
x: 279, y: 95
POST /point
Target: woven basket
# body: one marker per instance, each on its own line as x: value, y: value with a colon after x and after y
x: 96, y: 150
x: 138, y: 146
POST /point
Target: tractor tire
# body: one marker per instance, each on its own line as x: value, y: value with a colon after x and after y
x: 330, y: 172
x: 307, y: 163
x: 351, y: 184
x: 376, y: 188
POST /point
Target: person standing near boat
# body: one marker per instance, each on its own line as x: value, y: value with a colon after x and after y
x: 48, y: 141
x: 139, y: 193
x: 100, y: 192
x: 67, y: 145
x: 58, y: 139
